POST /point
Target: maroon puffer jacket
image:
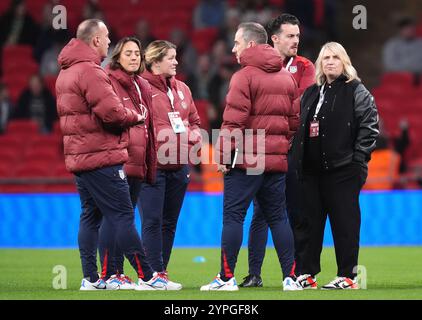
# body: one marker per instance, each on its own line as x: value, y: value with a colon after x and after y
x: 142, y: 148
x: 261, y: 96
x: 91, y: 115
x: 173, y: 149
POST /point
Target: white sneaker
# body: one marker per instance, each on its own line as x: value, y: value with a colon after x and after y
x: 171, y: 283
x: 100, y: 284
x: 341, y: 283
x: 123, y: 281
x: 306, y: 281
x: 290, y: 285
x: 143, y: 286
x: 219, y: 285
x: 160, y: 281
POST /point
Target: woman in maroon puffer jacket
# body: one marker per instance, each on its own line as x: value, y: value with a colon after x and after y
x: 135, y: 94
x: 177, y: 123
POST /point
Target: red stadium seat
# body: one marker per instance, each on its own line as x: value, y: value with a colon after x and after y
x: 19, y: 127
x: 394, y: 78
x: 203, y: 39
x: 34, y: 168
x: 46, y: 153
x: 61, y: 171
x: 202, y: 107
x: 9, y: 155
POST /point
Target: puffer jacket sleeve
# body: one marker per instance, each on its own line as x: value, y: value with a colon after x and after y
x: 99, y: 93
x: 235, y: 117
x: 366, y: 117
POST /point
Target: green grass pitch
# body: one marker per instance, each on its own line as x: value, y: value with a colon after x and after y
x: 392, y: 273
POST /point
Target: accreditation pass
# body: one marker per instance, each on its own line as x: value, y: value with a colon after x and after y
x: 176, y: 122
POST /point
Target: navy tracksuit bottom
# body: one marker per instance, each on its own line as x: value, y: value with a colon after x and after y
x: 160, y: 204
x: 299, y: 221
x: 114, y: 264
x: 104, y: 194
x: 269, y: 191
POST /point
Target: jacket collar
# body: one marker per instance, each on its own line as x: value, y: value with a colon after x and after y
x: 125, y: 79
x: 77, y: 51
x: 159, y: 81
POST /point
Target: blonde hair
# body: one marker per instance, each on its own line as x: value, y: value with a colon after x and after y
x: 156, y: 51
x: 348, y: 70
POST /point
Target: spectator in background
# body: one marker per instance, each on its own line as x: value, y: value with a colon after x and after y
x: 398, y: 143
x: 37, y: 103
x: 257, y: 10
x: 403, y: 52
x: 199, y: 80
x: 143, y: 32
x: 18, y: 27
x: 228, y: 30
x: 49, y: 66
x: 185, y: 51
x: 5, y: 107
x: 47, y: 35
x: 209, y: 13
x: 218, y: 88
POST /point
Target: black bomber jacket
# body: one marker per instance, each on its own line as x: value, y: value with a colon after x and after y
x: 348, y: 126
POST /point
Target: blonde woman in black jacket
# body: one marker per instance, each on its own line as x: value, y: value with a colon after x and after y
x: 338, y: 130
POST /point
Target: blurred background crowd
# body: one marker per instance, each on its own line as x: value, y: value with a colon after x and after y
x: 387, y: 55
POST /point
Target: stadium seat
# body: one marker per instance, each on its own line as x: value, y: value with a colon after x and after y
x: 22, y: 127
x: 394, y: 78
x: 61, y: 171
x: 203, y: 39
x: 35, y: 168
x: 6, y: 170
x: 202, y: 107
x: 8, y: 155
x: 45, y: 153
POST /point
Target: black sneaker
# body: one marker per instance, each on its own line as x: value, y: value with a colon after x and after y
x: 251, y: 281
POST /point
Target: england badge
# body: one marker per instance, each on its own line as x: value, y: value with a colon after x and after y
x: 293, y: 69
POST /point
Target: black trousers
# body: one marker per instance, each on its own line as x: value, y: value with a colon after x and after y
x: 336, y: 194
x: 300, y: 224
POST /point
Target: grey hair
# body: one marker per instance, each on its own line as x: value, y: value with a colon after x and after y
x: 253, y: 31
x: 87, y: 29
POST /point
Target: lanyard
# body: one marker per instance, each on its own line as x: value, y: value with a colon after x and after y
x: 289, y: 63
x: 139, y: 90
x: 141, y: 106
x: 171, y: 97
x: 320, y: 101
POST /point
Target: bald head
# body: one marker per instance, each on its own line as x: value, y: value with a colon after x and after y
x: 87, y: 29
x: 94, y: 33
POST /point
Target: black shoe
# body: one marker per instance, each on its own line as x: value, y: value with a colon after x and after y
x: 251, y: 281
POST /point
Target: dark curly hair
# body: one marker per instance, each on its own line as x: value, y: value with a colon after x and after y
x: 273, y: 27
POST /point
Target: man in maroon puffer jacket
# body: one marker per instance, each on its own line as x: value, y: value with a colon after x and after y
x: 94, y: 125
x: 260, y: 118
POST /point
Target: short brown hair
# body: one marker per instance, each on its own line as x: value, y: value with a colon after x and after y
x: 156, y: 51
x: 253, y: 31
x: 87, y: 29
x: 115, y: 55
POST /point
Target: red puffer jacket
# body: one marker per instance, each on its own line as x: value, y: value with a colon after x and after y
x: 261, y: 96
x: 173, y: 149
x: 142, y: 148
x: 91, y: 114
